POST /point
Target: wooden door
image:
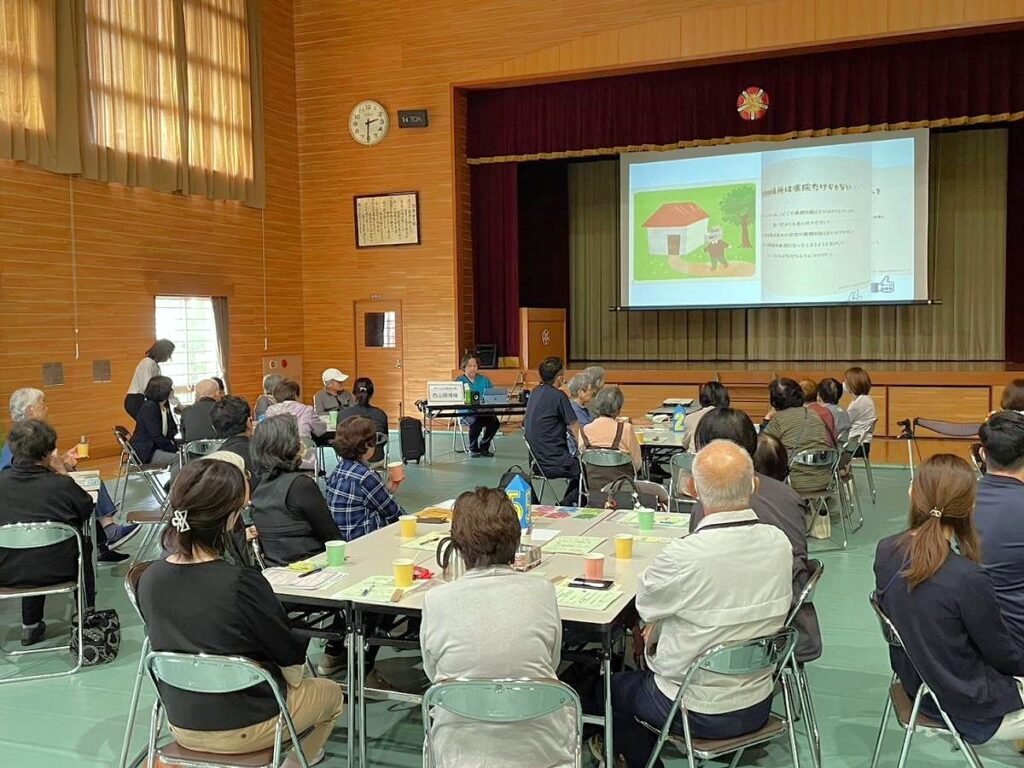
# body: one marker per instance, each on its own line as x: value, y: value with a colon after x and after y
x: 379, y: 352
x: 674, y: 245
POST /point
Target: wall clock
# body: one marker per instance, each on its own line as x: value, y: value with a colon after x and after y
x: 368, y: 122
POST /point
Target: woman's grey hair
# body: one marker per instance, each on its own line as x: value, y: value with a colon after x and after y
x: 270, y: 381
x: 607, y: 402
x: 23, y: 399
x: 581, y: 382
x: 596, y: 374
x: 275, y: 446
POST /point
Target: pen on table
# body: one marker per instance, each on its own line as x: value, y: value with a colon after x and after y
x: 365, y: 592
x: 310, y: 573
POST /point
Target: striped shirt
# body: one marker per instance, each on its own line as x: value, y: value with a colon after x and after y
x: 359, y: 501
x: 800, y: 429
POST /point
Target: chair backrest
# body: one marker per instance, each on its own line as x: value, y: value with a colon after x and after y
x: 131, y: 583
x: 196, y: 449
x: 745, y: 657
x: 817, y: 458
x: 655, y: 489
x: 680, y: 469
x: 204, y: 673
x: 817, y: 569
x: 889, y: 632
x: 35, y: 535
x: 601, y: 466
x: 123, y: 438
x: 503, y: 701
x: 607, y: 458
x: 535, y: 468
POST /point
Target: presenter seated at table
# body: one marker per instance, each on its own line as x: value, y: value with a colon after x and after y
x: 148, y: 367
x: 334, y: 396
x: 482, y: 427
x: 287, y: 396
x: 240, y: 616
x: 549, y: 419
x: 288, y: 509
x: 774, y: 503
x: 862, y: 409
x: 728, y: 581
x: 711, y: 395
x: 37, y: 489
x: 493, y: 623
x: 829, y: 393
x: 153, y: 438
x: 799, y: 429
x: 196, y: 423
x: 945, y: 608
x: 232, y: 421
x: 362, y: 389
x: 358, y: 500
x: 609, y: 430
x: 265, y: 400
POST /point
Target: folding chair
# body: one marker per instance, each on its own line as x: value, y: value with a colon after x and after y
x: 132, y: 465
x: 379, y: 460
x: 599, y: 467
x: 506, y: 702
x: 866, y: 460
x: 951, y: 430
x: 680, y: 467
x: 798, y: 671
x: 131, y: 587
x: 748, y: 657
x: 655, y: 489
x: 848, y: 479
x: 537, y: 473
x: 459, y: 435
x: 908, y: 712
x: 818, y: 500
x: 22, y: 536
x: 205, y: 673
x: 196, y: 449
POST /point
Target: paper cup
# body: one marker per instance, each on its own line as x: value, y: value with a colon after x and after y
x: 645, y: 519
x: 623, y: 546
x: 335, y: 553
x: 396, y: 472
x: 640, y: 437
x: 402, y: 570
x: 407, y: 526
x: 593, y: 565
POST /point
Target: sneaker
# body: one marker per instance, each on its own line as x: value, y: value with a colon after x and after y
x: 32, y: 635
x: 110, y: 557
x: 119, y: 534
x: 330, y: 664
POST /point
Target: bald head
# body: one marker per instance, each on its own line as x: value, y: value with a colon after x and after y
x: 723, y: 477
x: 207, y: 388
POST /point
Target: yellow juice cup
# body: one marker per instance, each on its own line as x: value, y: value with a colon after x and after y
x: 623, y: 546
x: 407, y: 526
x: 402, y: 570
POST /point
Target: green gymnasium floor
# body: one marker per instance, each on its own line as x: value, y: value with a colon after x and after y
x: 79, y: 720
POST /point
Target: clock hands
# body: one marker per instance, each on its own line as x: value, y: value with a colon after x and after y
x: 374, y: 120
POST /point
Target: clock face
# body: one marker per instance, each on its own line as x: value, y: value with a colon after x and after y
x: 368, y: 122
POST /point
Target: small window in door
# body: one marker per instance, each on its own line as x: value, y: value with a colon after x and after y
x: 379, y: 329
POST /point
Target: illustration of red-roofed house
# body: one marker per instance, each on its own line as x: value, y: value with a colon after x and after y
x: 675, y: 229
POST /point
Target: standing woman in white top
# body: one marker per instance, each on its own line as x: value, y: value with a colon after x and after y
x: 148, y: 367
x: 862, y: 409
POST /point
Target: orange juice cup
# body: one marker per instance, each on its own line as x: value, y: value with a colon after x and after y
x: 402, y: 570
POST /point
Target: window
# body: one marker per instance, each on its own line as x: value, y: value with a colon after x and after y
x: 26, y: 73
x: 188, y: 321
x: 379, y: 329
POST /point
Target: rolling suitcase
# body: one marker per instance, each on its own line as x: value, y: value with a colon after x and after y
x: 410, y: 433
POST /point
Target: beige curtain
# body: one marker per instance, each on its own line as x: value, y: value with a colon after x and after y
x: 220, y: 320
x: 164, y: 94
x: 967, y: 242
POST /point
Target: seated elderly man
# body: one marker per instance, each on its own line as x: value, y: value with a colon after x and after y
x: 195, y: 420
x: 581, y: 392
x: 28, y: 403
x: 334, y: 396
x: 728, y: 581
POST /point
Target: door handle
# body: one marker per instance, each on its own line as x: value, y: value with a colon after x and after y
x: 398, y: 363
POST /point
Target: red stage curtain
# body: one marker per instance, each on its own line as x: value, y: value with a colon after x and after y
x: 979, y: 77
x: 495, y: 216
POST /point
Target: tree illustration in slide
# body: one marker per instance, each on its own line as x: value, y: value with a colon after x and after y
x: 738, y: 208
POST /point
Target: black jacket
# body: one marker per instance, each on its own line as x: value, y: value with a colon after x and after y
x: 31, y: 493
x: 196, y: 423
x: 149, y: 434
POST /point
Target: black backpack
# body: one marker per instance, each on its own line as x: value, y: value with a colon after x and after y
x: 511, y: 474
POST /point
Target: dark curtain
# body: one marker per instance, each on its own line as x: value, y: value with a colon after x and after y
x: 544, y: 234
x: 1014, y: 243
x: 495, y: 216
x: 946, y: 81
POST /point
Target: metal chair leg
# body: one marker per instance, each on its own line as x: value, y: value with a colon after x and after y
x: 886, y: 711
x: 810, y: 718
x: 871, y: 477
x: 856, y: 499
x: 911, y: 728
x: 133, y: 707
x: 787, y: 698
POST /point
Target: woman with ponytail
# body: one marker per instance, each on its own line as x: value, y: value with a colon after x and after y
x: 362, y: 391
x: 931, y: 587
x: 194, y: 601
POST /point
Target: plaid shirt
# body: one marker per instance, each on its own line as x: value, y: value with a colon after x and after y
x: 359, y: 501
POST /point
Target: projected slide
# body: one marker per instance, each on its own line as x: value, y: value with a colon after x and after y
x: 819, y: 221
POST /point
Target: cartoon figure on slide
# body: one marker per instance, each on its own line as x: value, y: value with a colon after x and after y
x: 715, y: 245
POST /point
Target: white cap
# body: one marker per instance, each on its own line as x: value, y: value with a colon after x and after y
x: 333, y: 374
x: 227, y: 457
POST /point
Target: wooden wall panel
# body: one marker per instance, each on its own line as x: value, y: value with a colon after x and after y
x: 907, y: 15
x: 943, y: 403
x: 985, y: 11
x: 838, y: 19
x: 132, y: 243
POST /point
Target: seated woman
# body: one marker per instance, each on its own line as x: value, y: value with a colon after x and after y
x: 518, y: 614
x: 153, y: 439
x: 581, y: 392
x: 287, y: 396
x: 363, y: 392
x: 287, y: 507
x: 945, y: 609
x: 712, y: 395
x: 1013, y: 396
x: 241, y: 616
x: 482, y: 427
x: 358, y: 500
x: 829, y: 392
x: 607, y: 430
x: 798, y: 429
x: 862, y: 409
x: 770, y: 458
x: 264, y: 401
x: 37, y: 489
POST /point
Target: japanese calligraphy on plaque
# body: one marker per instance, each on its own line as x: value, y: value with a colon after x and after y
x: 390, y: 219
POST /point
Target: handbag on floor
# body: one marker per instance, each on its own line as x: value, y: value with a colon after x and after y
x: 101, y: 634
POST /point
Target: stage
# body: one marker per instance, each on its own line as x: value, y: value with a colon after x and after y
x: 964, y: 391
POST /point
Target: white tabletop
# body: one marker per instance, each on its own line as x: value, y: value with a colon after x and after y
x: 658, y: 436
